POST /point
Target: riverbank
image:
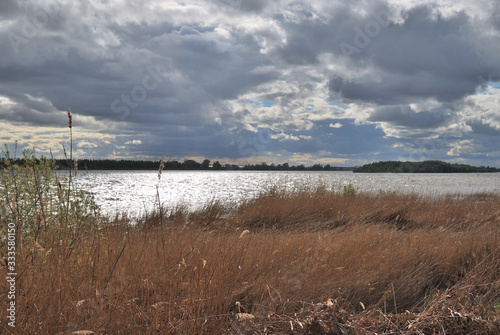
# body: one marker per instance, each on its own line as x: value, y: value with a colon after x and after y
x: 314, y: 262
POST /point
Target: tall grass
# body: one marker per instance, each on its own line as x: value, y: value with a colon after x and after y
x: 313, y: 262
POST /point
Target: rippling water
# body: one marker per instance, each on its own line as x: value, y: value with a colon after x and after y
x: 135, y: 191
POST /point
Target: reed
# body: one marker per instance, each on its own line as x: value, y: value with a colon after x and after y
x: 312, y: 262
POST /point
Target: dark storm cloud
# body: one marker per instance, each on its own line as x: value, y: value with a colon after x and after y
x: 481, y: 128
x: 407, y: 117
x: 400, y: 89
x: 313, y: 31
x: 495, y: 15
x: 30, y: 111
x: 199, y: 71
x: 221, y: 69
x: 8, y: 8
x: 245, y: 5
x: 424, y: 57
x: 190, y: 78
x: 298, y: 50
x: 173, y: 142
x: 348, y: 139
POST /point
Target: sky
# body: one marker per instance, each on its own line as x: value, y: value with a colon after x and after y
x: 343, y: 82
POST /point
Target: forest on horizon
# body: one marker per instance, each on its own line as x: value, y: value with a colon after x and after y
x: 430, y: 166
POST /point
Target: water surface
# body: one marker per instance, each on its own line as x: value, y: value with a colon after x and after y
x: 135, y: 191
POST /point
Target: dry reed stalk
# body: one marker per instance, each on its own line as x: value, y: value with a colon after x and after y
x: 160, y: 168
x: 158, y: 201
x: 70, y: 119
x: 69, y: 160
x: 195, y: 276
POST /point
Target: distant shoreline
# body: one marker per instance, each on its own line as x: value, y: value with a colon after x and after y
x: 422, y: 167
x: 431, y: 166
x: 186, y: 165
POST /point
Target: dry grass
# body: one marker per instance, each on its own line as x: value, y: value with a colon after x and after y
x: 305, y: 263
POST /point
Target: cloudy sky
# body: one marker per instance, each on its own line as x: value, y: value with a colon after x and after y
x: 343, y: 82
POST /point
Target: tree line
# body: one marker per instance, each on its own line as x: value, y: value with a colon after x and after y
x: 430, y: 166
x: 187, y: 164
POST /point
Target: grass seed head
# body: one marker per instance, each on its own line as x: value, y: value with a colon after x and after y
x: 70, y: 119
x: 160, y: 169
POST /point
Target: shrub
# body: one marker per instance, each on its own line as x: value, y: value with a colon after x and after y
x: 38, y: 200
x: 349, y: 191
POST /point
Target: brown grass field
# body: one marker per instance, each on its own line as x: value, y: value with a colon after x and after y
x: 314, y: 262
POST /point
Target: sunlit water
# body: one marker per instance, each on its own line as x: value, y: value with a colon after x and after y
x: 136, y: 191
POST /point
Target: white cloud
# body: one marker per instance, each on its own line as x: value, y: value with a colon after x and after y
x: 289, y: 137
x: 461, y: 147
x: 134, y: 142
x: 84, y: 144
